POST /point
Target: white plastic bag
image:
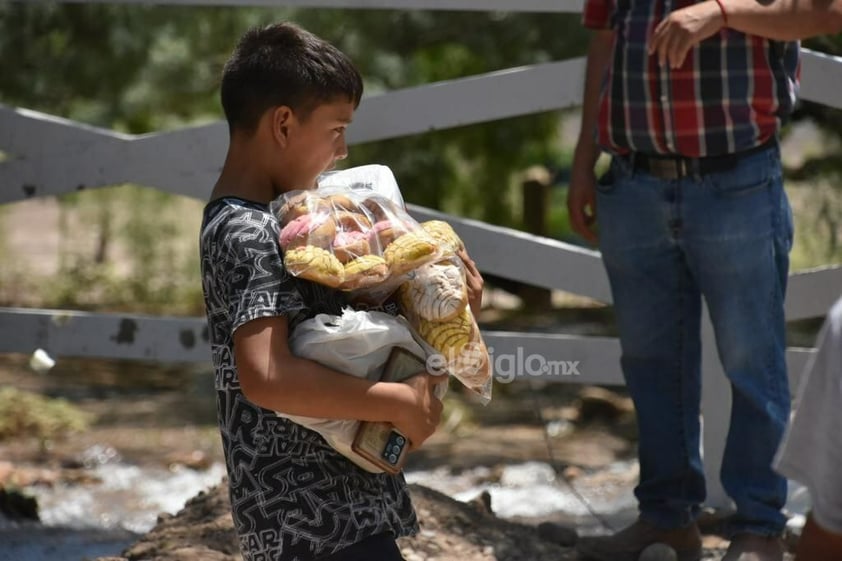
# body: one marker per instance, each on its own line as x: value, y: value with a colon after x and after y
x: 357, y: 343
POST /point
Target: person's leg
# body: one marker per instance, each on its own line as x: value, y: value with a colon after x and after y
x: 657, y: 306
x: 738, y: 235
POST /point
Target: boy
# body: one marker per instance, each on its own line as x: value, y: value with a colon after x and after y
x: 288, y: 97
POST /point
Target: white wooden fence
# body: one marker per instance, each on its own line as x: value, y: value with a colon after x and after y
x: 53, y: 156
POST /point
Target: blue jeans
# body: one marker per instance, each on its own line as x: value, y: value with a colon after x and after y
x: 666, y: 244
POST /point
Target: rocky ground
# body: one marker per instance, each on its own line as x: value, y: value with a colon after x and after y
x: 450, y: 531
x: 168, y: 422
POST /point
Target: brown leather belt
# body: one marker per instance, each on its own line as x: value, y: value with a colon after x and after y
x: 675, y: 167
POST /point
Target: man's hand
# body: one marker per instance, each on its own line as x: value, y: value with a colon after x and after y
x: 581, y: 202
x: 473, y: 279
x: 423, y: 412
x: 683, y: 29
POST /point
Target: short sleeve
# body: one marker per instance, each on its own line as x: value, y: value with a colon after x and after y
x: 258, y: 284
x: 598, y: 13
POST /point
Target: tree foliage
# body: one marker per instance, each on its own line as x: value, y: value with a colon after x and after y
x: 829, y: 120
x: 139, y: 68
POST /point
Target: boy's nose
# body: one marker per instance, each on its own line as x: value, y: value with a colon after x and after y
x: 342, y: 151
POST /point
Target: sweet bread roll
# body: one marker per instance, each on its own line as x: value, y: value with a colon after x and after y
x: 308, y: 229
x: 436, y: 292
x: 352, y: 221
x: 408, y: 252
x: 385, y: 232
x: 448, y: 337
x: 300, y: 204
x: 341, y: 202
x: 315, y: 264
x: 380, y: 208
x: 444, y: 234
x: 365, y: 271
x: 472, y: 365
x: 350, y: 245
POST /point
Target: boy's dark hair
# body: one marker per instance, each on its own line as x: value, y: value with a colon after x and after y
x: 283, y: 64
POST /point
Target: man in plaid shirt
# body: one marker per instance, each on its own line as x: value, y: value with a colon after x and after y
x: 689, y: 99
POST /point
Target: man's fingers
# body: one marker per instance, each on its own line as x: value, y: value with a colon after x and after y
x: 658, y: 36
x: 681, y: 54
x: 671, y: 49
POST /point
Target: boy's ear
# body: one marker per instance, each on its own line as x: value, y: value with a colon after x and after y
x: 282, y: 120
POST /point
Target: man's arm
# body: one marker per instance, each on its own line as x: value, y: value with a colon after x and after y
x: 581, y: 199
x: 273, y: 378
x: 784, y: 20
x: 781, y: 20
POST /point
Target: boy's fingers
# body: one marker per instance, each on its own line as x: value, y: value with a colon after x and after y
x: 470, y: 264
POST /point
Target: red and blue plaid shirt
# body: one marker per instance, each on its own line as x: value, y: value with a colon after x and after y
x: 732, y: 93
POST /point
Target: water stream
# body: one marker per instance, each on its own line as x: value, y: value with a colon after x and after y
x: 85, y: 521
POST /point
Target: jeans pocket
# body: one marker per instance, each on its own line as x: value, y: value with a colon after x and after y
x: 751, y: 174
x: 607, y: 182
x: 729, y: 188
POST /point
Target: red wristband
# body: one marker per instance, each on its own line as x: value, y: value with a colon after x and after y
x: 724, y: 13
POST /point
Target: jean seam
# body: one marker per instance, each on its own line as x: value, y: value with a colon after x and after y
x: 681, y: 384
x: 774, y: 381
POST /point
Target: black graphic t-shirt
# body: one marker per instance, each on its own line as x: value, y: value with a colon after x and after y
x: 293, y: 497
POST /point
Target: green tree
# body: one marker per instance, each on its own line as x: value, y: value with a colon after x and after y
x: 141, y: 68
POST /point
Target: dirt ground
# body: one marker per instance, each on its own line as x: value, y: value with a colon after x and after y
x: 149, y: 422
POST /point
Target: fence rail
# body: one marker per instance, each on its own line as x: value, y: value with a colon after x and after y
x: 47, y: 155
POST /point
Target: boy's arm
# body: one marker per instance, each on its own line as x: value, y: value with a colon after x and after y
x: 781, y: 20
x: 273, y: 378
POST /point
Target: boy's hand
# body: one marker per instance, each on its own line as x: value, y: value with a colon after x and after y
x: 473, y: 279
x: 419, y: 420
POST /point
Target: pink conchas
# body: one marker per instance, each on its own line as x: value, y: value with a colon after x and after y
x: 308, y: 229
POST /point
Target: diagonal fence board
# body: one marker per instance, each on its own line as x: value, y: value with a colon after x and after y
x: 811, y: 293
x: 574, y: 6
x: 524, y: 257
x: 187, y: 161
x: 475, y: 99
x: 821, y: 78
x: 62, y: 154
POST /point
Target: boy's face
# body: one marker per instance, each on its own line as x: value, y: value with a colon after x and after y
x: 316, y: 142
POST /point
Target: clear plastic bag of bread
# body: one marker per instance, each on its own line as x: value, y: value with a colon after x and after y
x: 435, y: 302
x: 362, y: 243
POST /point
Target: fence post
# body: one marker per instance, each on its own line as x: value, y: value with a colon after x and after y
x: 536, y: 203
